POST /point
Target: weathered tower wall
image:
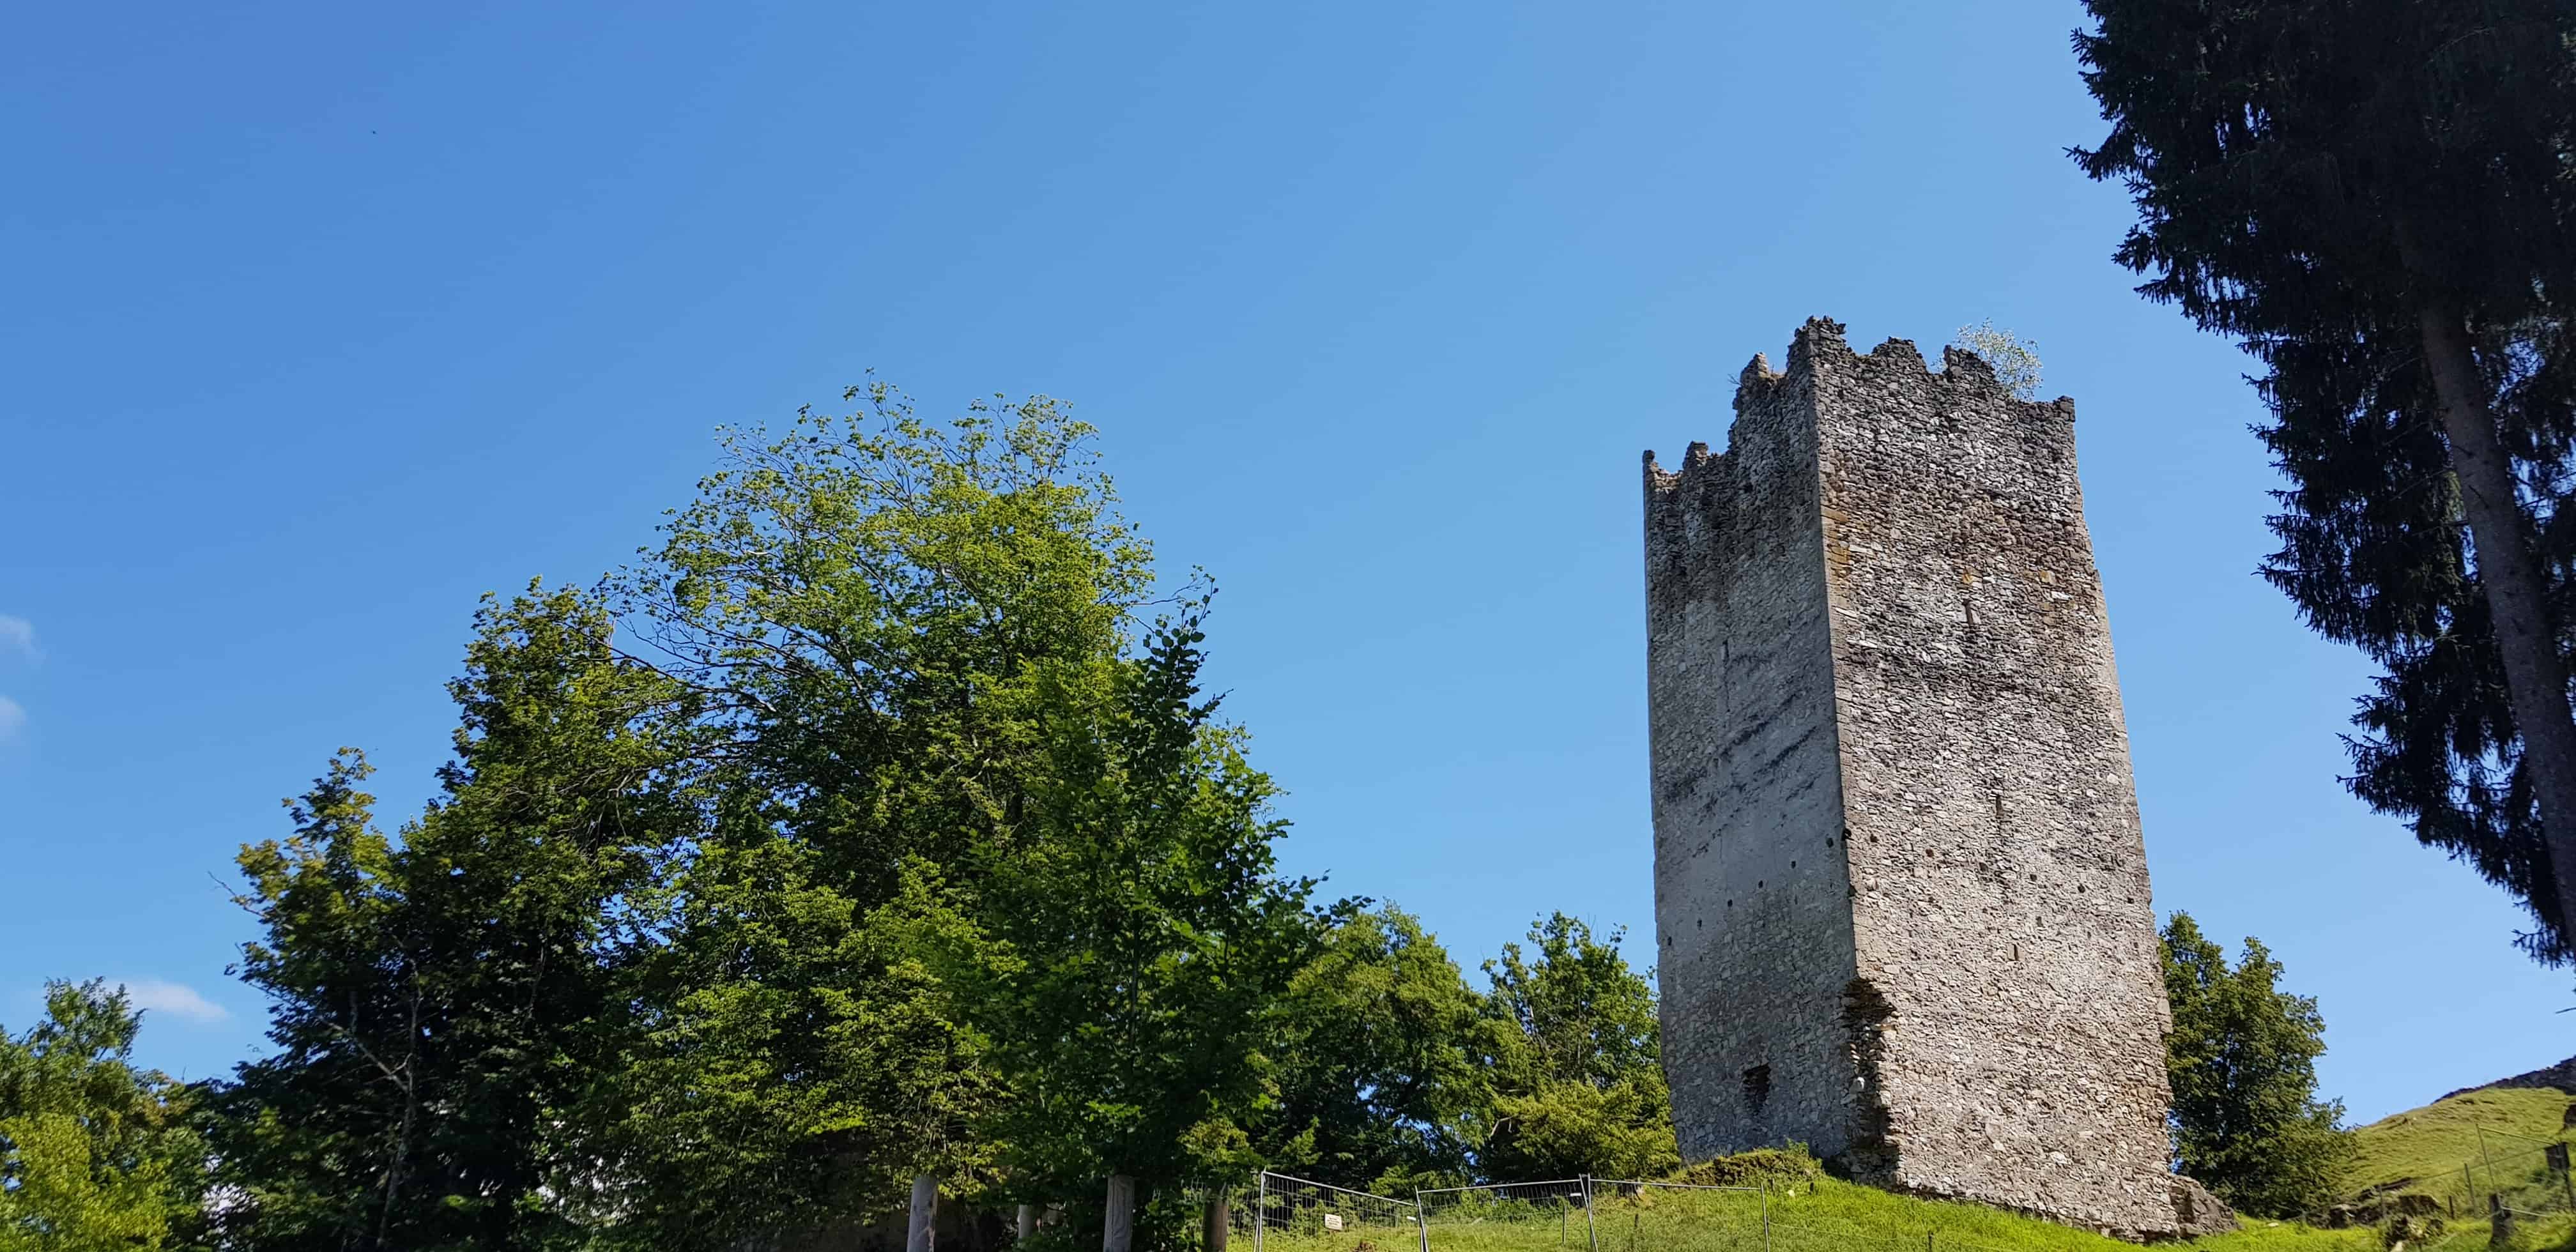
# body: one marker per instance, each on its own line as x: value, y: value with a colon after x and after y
x: 1752, y: 897
x: 1900, y: 886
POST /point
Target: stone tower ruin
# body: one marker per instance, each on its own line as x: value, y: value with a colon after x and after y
x: 1900, y: 892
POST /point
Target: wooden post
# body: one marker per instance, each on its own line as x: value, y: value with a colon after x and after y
x: 918, y: 1235
x: 1028, y: 1221
x: 1219, y: 1223
x: 2499, y: 1222
x: 1118, y: 1228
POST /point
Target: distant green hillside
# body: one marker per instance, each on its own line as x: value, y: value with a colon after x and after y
x: 2426, y: 1150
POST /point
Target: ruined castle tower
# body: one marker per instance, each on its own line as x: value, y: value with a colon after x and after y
x: 1900, y: 893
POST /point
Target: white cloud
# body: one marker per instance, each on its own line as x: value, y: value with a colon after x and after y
x: 174, y: 999
x: 12, y: 719
x: 18, y: 634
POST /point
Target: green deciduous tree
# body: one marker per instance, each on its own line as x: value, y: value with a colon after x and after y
x: 2370, y: 195
x: 2242, y: 1059
x: 1575, y: 1064
x: 1133, y: 939
x: 865, y: 601
x: 801, y: 1064
x: 867, y: 606
x: 1377, y: 1051
x: 95, y: 1155
x: 862, y: 830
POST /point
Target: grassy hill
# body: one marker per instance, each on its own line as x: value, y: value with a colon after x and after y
x: 2425, y: 1150
x: 2496, y: 1134
x: 1824, y: 1215
x: 1829, y: 1216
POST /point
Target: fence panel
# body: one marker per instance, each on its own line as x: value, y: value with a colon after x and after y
x: 2524, y: 1176
x: 1636, y: 1216
x: 1506, y: 1217
x: 1289, y: 1214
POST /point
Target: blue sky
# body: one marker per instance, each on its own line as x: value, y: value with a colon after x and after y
x: 324, y: 319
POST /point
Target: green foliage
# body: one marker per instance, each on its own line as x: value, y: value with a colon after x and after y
x: 866, y: 602
x: 95, y: 1155
x: 2242, y: 1058
x: 800, y: 1063
x: 446, y: 1008
x: 1577, y: 1080
x: 870, y: 607
x: 861, y: 830
x: 2015, y: 359
x: 2349, y: 189
x: 1134, y: 938
x: 1377, y: 1045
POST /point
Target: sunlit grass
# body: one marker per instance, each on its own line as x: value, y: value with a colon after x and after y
x: 1828, y: 1216
x: 2424, y: 1150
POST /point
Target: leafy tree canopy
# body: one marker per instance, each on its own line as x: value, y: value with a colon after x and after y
x: 2242, y: 1059
x: 95, y: 1155
x: 1377, y: 1060
x: 1575, y: 1063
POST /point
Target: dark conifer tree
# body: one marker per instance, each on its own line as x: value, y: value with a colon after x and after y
x: 2372, y: 195
x: 446, y: 1006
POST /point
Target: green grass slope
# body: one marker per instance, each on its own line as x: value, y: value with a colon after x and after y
x: 1824, y: 1215
x: 2497, y: 1135
x: 2425, y: 1150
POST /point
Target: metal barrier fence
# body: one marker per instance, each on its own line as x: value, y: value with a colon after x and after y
x: 2514, y: 1177
x: 1594, y: 1215
x: 1636, y: 1216
x: 1290, y: 1214
x: 1517, y: 1215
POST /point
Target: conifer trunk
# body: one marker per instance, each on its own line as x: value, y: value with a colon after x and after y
x: 2517, y: 597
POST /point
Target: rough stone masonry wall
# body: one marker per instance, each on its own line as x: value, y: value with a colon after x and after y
x: 1899, y: 876
x: 1751, y: 902
x: 2003, y: 928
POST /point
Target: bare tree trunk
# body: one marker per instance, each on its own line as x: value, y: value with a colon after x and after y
x: 1118, y: 1232
x: 1219, y: 1224
x: 2517, y: 595
x: 394, y: 1169
x: 407, y: 1080
x: 923, y: 1229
